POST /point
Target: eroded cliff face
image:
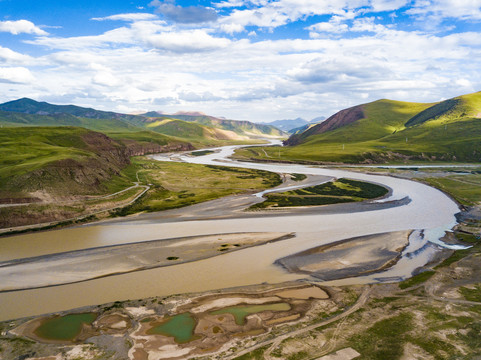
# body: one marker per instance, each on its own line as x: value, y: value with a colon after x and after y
x: 134, y: 148
x: 86, y: 175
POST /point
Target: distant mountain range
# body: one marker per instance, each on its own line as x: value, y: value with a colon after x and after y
x: 70, y: 149
x: 28, y: 112
x: 293, y: 125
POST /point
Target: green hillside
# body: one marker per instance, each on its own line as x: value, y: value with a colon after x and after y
x: 61, y: 119
x: 197, y: 134
x: 387, y: 131
x: 244, y: 128
x: 57, y: 159
x: 202, y: 130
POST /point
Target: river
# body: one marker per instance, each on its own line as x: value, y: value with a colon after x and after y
x: 429, y: 211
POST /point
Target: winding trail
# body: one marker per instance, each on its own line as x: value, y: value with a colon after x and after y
x: 80, y: 217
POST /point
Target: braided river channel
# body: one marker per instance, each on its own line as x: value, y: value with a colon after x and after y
x: 410, y: 206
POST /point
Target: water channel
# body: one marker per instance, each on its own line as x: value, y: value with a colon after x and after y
x: 429, y: 211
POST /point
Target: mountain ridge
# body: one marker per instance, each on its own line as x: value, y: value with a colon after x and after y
x: 388, y: 131
x: 33, y: 107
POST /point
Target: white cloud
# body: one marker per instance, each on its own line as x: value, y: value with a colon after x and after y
x: 334, y: 25
x: 387, y: 5
x: 150, y: 64
x: 230, y: 4
x: 106, y: 78
x: 187, y: 41
x: 16, y: 75
x: 10, y: 56
x: 21, y: 26
x: 150, y: 34
x: 184, y: 15
x: 460, y: 9
x: 128, y: 17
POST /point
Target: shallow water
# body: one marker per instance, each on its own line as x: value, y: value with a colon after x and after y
x: 429, y: 210
x: 66, y: 327
x: 180, y: 327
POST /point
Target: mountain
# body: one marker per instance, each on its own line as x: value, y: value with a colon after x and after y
x: 240, y: 127
x: 386, y: 131
x: 317, y: 119
x: 288, y: 125
x: 29, y: 106
x: 193, y: 131
x: 26, y: 111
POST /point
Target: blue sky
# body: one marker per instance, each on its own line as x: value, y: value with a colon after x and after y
x: 259, y: 60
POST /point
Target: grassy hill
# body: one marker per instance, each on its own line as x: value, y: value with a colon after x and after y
x: 27, y: 112
x: 62, y: 119
x: 197, y: 134
x: 387, y: 131
x: 57, y: 159
x: 243, y: 128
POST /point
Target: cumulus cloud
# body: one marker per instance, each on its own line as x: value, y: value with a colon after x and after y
x: 9, y: 56
x: 334, y: 25
x: 21, y: 26
x: 460, y: 9
x: 16, y: 75
x: 184, y: 15
x: 354, y: 56
x: 187, y: 41
x: 128, y: 17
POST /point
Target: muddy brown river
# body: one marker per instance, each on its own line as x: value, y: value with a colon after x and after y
x: 429, y: 211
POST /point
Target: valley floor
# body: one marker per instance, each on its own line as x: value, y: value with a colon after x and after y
x: 434, y: 315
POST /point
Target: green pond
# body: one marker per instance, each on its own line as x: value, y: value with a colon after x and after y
x: 64, y: 327
x: 181, y: 327
x: 240, y: 312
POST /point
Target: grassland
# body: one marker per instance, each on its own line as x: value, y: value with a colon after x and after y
x: 170, y: 185
x: 466, y: 189
x: 178, y: 184
x: 339, y: 191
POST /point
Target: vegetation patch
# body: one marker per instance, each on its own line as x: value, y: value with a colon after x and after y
x: 340, y: 191
x: 385, y: 339
x: 257, y: 354
x: 201, y: 152
x: 471, y: 294
x: 298, y: 177
x: 175, y: 185
x: 416, y: 279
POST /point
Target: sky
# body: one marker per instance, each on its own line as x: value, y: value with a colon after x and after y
x: 258, y: 60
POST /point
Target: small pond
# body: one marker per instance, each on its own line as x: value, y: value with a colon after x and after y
x: 66, y: 327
